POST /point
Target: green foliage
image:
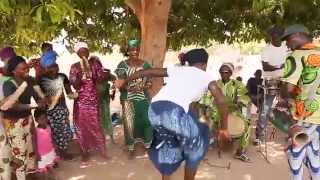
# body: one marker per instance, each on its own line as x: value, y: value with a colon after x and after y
x: 25, y: 24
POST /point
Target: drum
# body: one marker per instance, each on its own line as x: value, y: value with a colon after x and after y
x: 236, y: 125
x: 281, y: 118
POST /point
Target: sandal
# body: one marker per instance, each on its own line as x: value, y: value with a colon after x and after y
x: 243, y: 157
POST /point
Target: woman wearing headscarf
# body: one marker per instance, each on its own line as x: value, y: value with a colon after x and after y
x: 5, y: 171
x: 178, y: 134
x: 235, y: 93
x: 17, y: 119
x: 53, y: 85
x: 104, y: 104
x: 134, y: 100
x: 35, y: 63
x: 84, y: 76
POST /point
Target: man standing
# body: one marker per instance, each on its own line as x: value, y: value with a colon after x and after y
x: 252, y: 86
x: 272, y: 57
x: 301, y: 87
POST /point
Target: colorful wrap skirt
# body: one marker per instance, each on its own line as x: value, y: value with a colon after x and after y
x: 61, y: 131
x: 5, y: 154
x: 177, y: 136
x: 20, y: 140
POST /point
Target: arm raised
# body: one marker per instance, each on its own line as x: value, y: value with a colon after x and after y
x: 148, y: 73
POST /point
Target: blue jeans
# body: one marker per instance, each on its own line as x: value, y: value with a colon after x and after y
x: 263, y: 115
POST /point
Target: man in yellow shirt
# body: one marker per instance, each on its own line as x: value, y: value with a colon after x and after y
x: 301, y: 87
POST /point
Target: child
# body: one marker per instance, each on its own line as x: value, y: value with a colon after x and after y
x: 43, y: 144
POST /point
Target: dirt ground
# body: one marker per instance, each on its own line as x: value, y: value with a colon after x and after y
x: 140, y: 168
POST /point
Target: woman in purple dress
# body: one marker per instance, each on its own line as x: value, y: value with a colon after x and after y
x: 84, y: 76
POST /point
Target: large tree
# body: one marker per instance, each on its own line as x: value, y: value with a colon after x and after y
x: 161, y: 24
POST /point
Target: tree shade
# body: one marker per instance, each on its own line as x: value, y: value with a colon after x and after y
x: 25, y: 24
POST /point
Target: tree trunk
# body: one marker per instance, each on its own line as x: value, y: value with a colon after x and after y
x: 153, y: 18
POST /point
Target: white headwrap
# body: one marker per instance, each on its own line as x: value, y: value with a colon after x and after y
x: 229, y: 65
x: 80, y: 45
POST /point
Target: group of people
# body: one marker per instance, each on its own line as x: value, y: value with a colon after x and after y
x: 35, y: 137
x: 166, y: 124
x: 179, y: 133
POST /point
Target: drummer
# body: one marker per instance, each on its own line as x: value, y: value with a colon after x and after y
x: 238, y: 102
x: 272, y: 57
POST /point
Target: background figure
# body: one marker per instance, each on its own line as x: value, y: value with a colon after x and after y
x: 252, y: 87
x: 301, y: 84
x: 18, y: 120
x: 53, y: 85
x: 104, y: 104
x: 272, y: 57
x: 84, y: 76
x: 134, y: 100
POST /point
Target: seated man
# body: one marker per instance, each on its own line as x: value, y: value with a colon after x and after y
x: 238, y: 103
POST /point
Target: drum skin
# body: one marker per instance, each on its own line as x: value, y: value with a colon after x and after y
x: 236, y: 126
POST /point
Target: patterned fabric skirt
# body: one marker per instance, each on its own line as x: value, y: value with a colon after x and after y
x: 137, y: 128
x: 178, y: 136
x: 88, y: 127
x: 20, y: 141
x: 5, y: 154
x: 61, y: 131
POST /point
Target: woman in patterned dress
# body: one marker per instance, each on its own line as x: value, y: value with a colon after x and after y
x: 53, y: 85
x: 5, y: 171
x: 134, y: 100
x: 84, y: 76
x: 17, y: 119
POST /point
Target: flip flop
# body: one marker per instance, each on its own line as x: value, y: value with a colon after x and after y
x: 243, y: 157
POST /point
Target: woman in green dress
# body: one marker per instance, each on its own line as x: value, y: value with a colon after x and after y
x: 238, y: 102
x: 134, y: 100
x: 104, y: 102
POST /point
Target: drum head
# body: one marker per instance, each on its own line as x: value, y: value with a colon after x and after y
x: 236, y: 126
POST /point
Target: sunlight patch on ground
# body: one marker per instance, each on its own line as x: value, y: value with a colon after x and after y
x: 206, y: 174
x: 78, y: 177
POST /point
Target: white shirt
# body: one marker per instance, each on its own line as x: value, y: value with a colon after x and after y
x: 275, y: 56
x: 184, y: 85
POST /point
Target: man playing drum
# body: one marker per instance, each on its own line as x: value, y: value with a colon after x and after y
x: 238, y: 102
x: 273, y: 56
x: 301, y: 88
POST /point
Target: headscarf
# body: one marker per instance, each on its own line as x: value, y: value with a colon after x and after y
x: 229, y: 65
x: 48, y: 58
x: 7, y: 53
x: 13, y: 63
x: 133, y: 43
x: 80, y: 45
x: 195, y: 56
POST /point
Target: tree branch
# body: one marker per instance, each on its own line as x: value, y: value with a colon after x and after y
x: 136, y: 6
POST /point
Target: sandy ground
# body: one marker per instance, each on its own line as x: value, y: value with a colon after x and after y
x: 140, y: 168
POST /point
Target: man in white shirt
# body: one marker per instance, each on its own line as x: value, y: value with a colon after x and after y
x: 273, y: 57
